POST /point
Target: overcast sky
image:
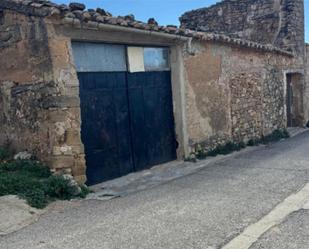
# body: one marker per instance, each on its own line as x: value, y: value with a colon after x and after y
x: 164, y: 11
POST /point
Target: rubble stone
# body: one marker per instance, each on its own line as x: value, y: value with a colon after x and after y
x: 103, y: 12
x: 263, y: 21
x: 24, y: 155
x: 152, y: 21
x: 77, y: 6
x: 130, y: 18
x: 74, y: 187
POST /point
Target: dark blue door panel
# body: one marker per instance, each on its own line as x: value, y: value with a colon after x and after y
x: 105, y: 122
x: 127, y: 122
x: 152, y: 123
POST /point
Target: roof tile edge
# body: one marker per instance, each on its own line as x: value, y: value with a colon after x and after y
x: 77, y: 13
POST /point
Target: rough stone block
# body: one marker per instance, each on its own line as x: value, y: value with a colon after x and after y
x: 61, y: 162
x: 72, y: 137
x: 77, y: 149
x: 62, y: 150
x: 79, y: 167
x: 77, y: 6
x: 61, y: 102
x: 81, y: 179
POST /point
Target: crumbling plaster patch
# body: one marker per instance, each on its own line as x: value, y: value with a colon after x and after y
x: 206, y: 106
x: 31, y: 45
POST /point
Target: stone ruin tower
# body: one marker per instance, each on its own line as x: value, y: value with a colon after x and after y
x: 276, y: 22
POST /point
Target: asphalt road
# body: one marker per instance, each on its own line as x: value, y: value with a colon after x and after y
x: 292, y: 233
x: 204, y: 210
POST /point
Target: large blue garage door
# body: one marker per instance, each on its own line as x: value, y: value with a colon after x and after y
x: 126, y: 108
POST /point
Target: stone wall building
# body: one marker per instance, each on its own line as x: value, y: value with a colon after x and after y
x: 101, y: 96
x: 276, y: 22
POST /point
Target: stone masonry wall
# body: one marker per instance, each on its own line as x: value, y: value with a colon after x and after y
x: 277, y: 22
x: 274, y: 97
x: 69, y: 150
x: 26, y: 81
x: 233, y: 94
x: 246, y: 105
x: 39, y: 104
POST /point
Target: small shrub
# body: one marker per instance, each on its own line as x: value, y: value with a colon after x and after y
x: 253, y: 142
x: 33, y: 181
x: 226, y: 148
x: 242, y: 145
x: 84, y: 191
x: 213, y: 152
x: 219, y: 150
x: 229, y: 147
x: 18, y: 184
x: 222, y: 149
x: 4, y: 154
x: 59, y: 188
x: 202, y: 154
x: 191, y: 158
x: 36, y: 198
x: 285, y: 133
x: 28, y: 167
x: 275, y: 136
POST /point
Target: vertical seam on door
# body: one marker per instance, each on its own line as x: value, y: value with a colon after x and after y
x: 129, y: 110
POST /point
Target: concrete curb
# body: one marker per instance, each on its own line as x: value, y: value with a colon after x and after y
x: 16, y: 214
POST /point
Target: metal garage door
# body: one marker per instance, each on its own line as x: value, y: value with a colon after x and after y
x: 127, y: 113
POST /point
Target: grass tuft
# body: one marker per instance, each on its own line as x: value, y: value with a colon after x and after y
x: 4, y: 154
x: 230, y: 146
x: 33, y: 181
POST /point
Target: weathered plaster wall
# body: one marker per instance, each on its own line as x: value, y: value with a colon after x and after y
x: 207, y: 107
x: 39, y: 103
x: 233, y: 94
x: 26, y: 80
